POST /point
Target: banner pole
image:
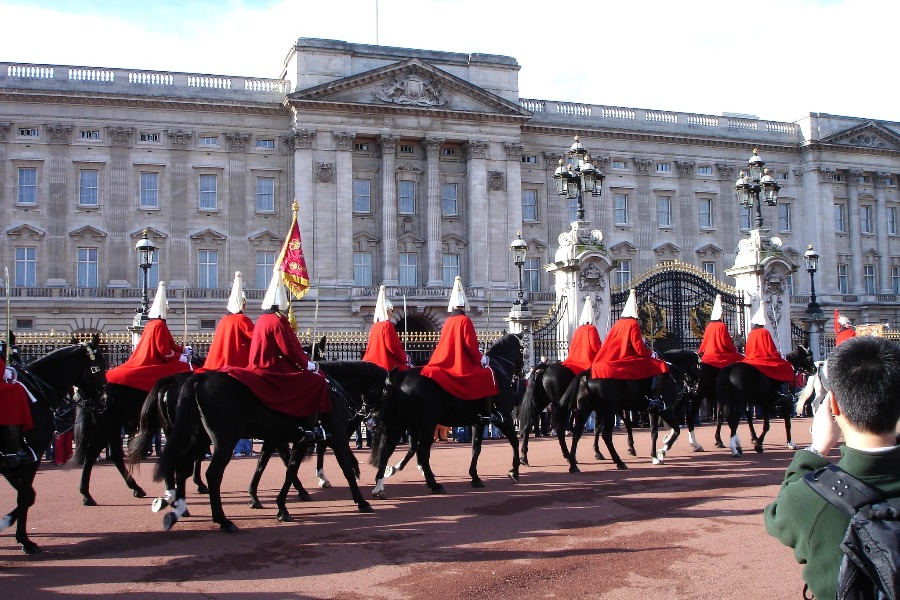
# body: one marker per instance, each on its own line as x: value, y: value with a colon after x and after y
x: 8, y: 325
x: 405, y: 326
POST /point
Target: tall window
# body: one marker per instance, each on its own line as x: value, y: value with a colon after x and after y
x: 623, y: 273
x: 450, y: 264
x: 865, y: 218
x: 362, y: 195
x: 892, y: 220
x: 265, y: 264
x: 784, y: 216
x: 449, y: 206
x: 87, y: 268
x: 531, y: 274
x: 709, y: 267
x: 149, y: 190
x: 208, y: 192
x: 406, y: 195
x: 208, y: 269
x: 529, y: 205
x: 27, y: 185
x: 408, y: 269
x: 840, y: 218
x: 842, y: 278
x: 620, y: 209
x: 664, y: 211
x: 26, y: 267
x: 869, y: 278
x: 573, y: 209
x: 895, y: 279
x: 87, y: 188
x: 362, y: 269
x: 746, y: 218
x: 705, y: 213
x: 265, y: 194
x: 790, y: 284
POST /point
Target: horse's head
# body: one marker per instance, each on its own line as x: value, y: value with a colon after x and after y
x: 316, y: 351
x: 802, y: 360
x: 509, y: 351
x: 90, y: 379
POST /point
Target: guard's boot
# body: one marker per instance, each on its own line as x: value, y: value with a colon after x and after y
x: 13, y: 450
x: 654, y: 398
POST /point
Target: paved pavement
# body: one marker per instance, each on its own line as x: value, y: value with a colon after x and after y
x: 689, y: 529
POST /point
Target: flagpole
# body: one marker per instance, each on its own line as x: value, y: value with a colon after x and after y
x: 405, y: 327
x: 6, y: 280
x: 184, y: 298
x: 316, y: 316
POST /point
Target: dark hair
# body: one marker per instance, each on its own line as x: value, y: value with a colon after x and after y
x: 864, y: 373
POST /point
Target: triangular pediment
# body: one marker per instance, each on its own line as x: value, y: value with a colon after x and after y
x: 25, y: 231
x: 87, y: 232
x: 209, y: 236
x: 409, y: 243
x: 365, y: 242
x: 536, y: 244
x: 152, y: 233
x: 623, y: 249
x: 709, y: 250
x: 265, y: 237
x: 667, y: 250
x: 410, y: 84
x: 870, y: 134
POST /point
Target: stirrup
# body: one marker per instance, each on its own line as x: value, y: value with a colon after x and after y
x: 316, y: 434
x: 654, y: 405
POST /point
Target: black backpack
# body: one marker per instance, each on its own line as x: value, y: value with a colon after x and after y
x: 872, y: 543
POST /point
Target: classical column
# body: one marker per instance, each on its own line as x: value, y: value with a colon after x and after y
x: 174, y: 262
x: 388, y: 145
x: 689, y: 224
x: 343, y: 206
x: 117, y: 206
x: 853, y: 223
x: 434, y: 210
x: 477, y: 222
x: 557, y: 220
x: 884, y: 250
x: 57, y: 206
x: 304, y: 191
x: 237, y: 203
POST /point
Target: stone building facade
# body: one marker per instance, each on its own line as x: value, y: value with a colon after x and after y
x: 410, y: 167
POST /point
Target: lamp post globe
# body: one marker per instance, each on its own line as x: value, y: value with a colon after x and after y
x: 755, y: 185
x: 577, y: 176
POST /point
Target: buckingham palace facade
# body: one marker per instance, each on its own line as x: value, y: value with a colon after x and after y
x: 410, y: 167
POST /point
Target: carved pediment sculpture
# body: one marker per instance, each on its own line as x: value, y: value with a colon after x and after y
x: 411, y: 89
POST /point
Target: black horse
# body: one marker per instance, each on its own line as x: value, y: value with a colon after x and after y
x: 418, y: 404
x: 741, y: 386
x: 608, y: 398
x: 546, y: 386
x: 50, y: 380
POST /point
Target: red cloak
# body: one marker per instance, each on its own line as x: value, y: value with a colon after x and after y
x: 385, y: 349
x: 15, y: 406
x: 717, y: 348
x: 156, y: 356
x: 276, y: 370
x: 231, y: 343
x: 762, y: 353
x: 624, y: 354
x: 583, y: 348
x: 456, y: 362
x: 842, y: 334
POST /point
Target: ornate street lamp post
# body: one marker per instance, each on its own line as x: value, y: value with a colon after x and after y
x: 812, y: 265
x: 519, y: 248
x: 578, y: 176
x: 813, y: 316
x: 145, y: 249
x: 756, y: 185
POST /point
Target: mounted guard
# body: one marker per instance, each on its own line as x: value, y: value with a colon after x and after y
x: 843, y: 329
x: 585, y: 342
x: 231, y: 341
x: 717, y: 348
x: 384, y: 347
x: 15, y: 418
x: 762, y: 353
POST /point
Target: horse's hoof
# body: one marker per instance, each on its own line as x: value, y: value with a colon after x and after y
x: 477, y: 483
x: 697, y: 448
x: 158, y: 504
x: 356, y: 473
x: 285, y: 517
x: 754, y: 440
x: 379, y: 495
x: 202, y: 489
x: 622, y: 466
x: 324, y: 483
x: 169, y: 520
x: 186, y: 513
x: 304, y: 496
x: 792, y: 446
x: 719, y: 444
x: 574, y: 469
x: 139, y: 493
x: 656, y: 461
x: 631, y: 452
x: 364, y: 507
x: 228, y: 527
x: 514, y: 475
x: 438, y: 489
x: 758, y: 448
x: 599, y: 456
x: 255, y: 504
x: 524, y: 461
x: 388, y: 471
x: 30, y: 548
x: 88, y: 501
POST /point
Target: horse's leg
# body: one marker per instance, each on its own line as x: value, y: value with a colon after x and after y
x: 476, y: 452
x: 597, y: 454
x: 117, y: 456
x: 293, y: 466
x: 95, y: 447
x: 577, y: 429
x: 384, y: 449
x: 787, y: 431
x: 523, y: 460
x: 265, y: 453
x: 508, y: 429
x: 221, y: 456
x: 672, y: 421
x: 720, y: 419
x: 320, y: 466
x: 423, y: 455
x: 693, y: 413
x: 629, y: 432
x: 654, y: 433
x: 25, y: 495
x: 733, y: 416
x: 198, y: 480
x: 609, y: 420
x: 410, y: 452
x: 346, y: 460
x: 758, y: 445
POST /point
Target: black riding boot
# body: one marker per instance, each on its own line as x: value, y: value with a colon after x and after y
x: 493, y: 415
x: 654, y: 398
x: 13, y: 451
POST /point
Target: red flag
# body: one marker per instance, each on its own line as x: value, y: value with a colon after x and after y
x: 291, y: 262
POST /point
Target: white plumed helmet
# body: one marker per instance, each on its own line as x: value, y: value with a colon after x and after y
x: 237, y: 298
x: 382, y: 306
x: 716, y: 314
x: 843, y: 321
x: 587, y: 312
x: 276, y: 295
x: 630, y: 309
x: 160, y: 307
x: 760, y: 317
x: 458, y: 296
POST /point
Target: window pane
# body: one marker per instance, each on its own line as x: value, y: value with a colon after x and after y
x: 664, y: 211
x: 531, y: 274
x: 842, y: 278
x: 865, y: 218
x: 623, y: 273
x: 362, y: 269
x: 208, y: 192
x: 895, y: 279
x: 869, y: 278
x: 407, y: 273
x: 88, y: 188
x: 745, y: 217
x: 706, y: 213
x: 839, y: 221
x: 450, y: 263
x: 448, y: 199
x: 406, y: 191
x: 620, y: 210
x: 529, y: 205
x: 25, y: 267
x: 709, y: 267
x: 87, y: 267
x: 784, y: 217
x: 362, y: 195
x: 149, y: 190
x: 208, y: 269
x: 265, y: 263
x: 27, y: 185
x: 265, y: 194
x: 892, y: 221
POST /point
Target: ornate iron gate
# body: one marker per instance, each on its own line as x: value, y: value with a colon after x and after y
x: 674, y: 304
x: 546, y: 342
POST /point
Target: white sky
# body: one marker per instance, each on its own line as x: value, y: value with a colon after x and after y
x: 778, y: 59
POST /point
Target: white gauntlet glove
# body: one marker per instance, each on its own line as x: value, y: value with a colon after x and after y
x: 312, y: 367
x: 9, y: 375
x: 188, y: 351
x: 185, y: 358
x: 485, y: 361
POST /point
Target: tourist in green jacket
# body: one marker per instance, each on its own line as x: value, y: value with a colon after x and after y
x: 863, y: 406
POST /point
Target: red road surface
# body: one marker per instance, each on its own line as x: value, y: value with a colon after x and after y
x: 689, y: 529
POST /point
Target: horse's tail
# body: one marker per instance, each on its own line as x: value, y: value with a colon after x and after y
x: 148, y: 426
x: 85, y: 431
x: 568, y: 400
x: 528, y: 413
x: 183, y: 434
x: 387, y: 417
